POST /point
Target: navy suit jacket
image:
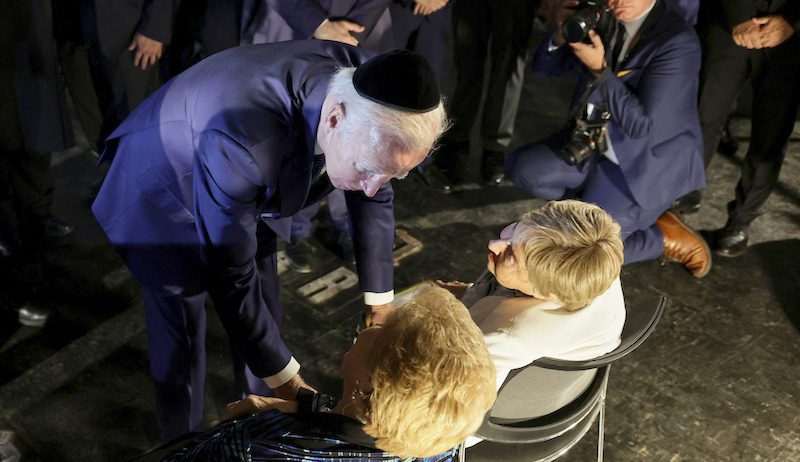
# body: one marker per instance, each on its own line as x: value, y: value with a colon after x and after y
x: 652, y: 97
x: 199, y: 162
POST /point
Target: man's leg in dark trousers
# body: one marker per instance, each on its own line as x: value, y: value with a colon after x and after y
x: 776, y: 97
x: 726, y: 67
x: 539, y: 171
x: 512, y: 27
x: 176, y: 328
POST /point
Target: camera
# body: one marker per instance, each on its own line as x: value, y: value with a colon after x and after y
x: 585, y: 138
x: 589, y: 14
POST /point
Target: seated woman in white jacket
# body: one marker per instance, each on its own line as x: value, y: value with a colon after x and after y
x: 560, y: 265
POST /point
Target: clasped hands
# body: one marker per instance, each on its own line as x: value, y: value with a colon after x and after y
x: 762, y: 32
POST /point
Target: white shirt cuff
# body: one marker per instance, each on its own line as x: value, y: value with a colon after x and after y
x: 291, y: 369
x: 378, y: 298
x: 551, y: 47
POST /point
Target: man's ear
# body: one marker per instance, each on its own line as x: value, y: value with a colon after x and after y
x: 335, y: 115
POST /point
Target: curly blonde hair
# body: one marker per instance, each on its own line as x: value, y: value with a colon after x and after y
x: 433, y: 381
x: 573, y: 250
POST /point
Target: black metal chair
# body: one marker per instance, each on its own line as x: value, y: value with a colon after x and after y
x: 548, y: 437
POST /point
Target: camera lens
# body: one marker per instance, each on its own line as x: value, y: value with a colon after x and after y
x: 577, y: 27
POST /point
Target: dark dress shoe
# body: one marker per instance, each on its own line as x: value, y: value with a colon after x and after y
x: 299, y: 256
x: 6, y: 250
x: 493, y: 167
x: 688, y: 203
x: 727, y: 144
x: 731, y: 241
x: 683, y: 245
x: 33, y: 316
x: 53, y: 227
x: 435, y: 178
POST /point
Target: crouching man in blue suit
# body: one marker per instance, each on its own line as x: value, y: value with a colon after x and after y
x: 206, y: 171
x: 646, y: 87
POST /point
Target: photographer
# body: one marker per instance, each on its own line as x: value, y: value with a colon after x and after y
x: 639, y: 70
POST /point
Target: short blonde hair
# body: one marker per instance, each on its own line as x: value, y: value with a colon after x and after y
x: 379, y: 126
x: 572, y: 249
x: 433, y: 381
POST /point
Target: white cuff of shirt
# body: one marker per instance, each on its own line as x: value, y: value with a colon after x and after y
x: 378, y: 298
x: 291, y: 369
x: 551, y: 47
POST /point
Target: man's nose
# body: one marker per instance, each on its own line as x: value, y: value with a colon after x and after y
x: 497, y: 246
x: 371, y: 185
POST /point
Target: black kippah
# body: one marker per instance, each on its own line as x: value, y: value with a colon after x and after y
x: 398, y: 79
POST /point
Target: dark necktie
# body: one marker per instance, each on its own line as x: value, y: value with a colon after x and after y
x: 618, y: 42
x: 317, y: 167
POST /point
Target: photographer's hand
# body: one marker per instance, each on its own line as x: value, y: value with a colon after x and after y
x: 593, y: 55
x: 561, y: 10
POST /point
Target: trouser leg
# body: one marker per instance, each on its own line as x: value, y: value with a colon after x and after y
x: 726, y: 67
x: 33, y: 185
x: 538, y: 170
x: 776, y: 97
x: 510, y: 47
x: 607, y: 188
x: 176, y: 326
x: 471, y: 31
x: 303, y: 223
x: 74, y: 62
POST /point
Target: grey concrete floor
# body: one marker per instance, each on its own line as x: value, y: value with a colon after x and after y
x: 717, y: 381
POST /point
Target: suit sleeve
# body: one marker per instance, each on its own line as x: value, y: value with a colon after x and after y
x: 304, y: 16
x: 158, y: 17
x: 367, y: 13
x: 372, y: 224
x: 553, y: 63
x: 662, y: 93
x: 227, y: 182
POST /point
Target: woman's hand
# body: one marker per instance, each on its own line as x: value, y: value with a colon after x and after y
x: 457, y: 288
x: 257, y: 403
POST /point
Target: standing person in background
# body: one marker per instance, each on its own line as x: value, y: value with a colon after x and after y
x: 756, y: 41
x: 507, y: 25
x: 33, y: 123
x: 125, y: 40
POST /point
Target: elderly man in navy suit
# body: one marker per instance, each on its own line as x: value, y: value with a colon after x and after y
x: 247, y: 137
x: 647, y: 87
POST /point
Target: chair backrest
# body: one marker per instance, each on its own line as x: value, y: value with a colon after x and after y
x: 641, y: 318
x: 552, y: 425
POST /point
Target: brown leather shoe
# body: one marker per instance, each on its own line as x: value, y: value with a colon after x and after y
x: 683, y: 245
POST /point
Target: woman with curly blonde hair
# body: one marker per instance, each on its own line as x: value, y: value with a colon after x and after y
x: 415, y: 387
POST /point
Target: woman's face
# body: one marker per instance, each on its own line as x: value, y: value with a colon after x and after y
x: 355, y: 369
x: 506, y: 260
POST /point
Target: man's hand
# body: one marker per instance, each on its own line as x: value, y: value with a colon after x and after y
x: 457, y: 288
x: 288, y: 390
x: 378, y: 313
x: 339, y: 30
x: 257, y: 403
x: 426, y: 7
x: 148, y: 51
x: 559, y: 12
x: 748, y: 34
x: 591, y: 55
x: 774, y: 30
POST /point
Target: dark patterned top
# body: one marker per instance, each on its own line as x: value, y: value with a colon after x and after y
x: 274, y: 436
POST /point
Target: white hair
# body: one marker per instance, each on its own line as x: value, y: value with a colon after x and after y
x: 373, y: 126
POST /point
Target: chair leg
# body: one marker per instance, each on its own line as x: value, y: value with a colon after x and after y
x: 601, y: 427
